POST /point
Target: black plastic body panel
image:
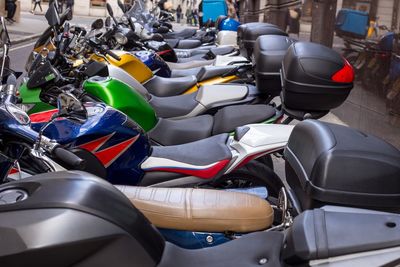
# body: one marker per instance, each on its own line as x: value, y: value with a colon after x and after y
x: 334, y: 231
x: 74, y: 217
x: 242, y: 28
x: 269, y: 51
x: 248, y: 36
x: 334, y: 164
x: 307, y: 72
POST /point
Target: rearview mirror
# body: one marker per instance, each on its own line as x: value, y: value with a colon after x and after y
x: 52, y: 16
x: 4, y: 37
x: 110, y: 10
x: 122, y: 6
x: 108, y: 22
x: 97, y: 24
x: 70, y: 107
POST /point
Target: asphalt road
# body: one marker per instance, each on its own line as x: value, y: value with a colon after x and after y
x: 19, y: 55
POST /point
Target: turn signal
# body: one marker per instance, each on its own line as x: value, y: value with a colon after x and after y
x: 345, y: 74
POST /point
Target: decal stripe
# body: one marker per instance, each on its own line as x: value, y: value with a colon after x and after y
x: 13, y: 170
x: 93, y: 146
x: 109, y: 155
x: 254, y: 156
x: 207, y: 173
x: 164, y: 52
x: 43, y: 116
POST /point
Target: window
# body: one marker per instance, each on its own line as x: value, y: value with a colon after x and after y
x: 97, y: 3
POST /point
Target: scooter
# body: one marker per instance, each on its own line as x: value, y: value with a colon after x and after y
x: 72, y: 203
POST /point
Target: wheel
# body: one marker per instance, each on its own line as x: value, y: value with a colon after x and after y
x: 253, y: 174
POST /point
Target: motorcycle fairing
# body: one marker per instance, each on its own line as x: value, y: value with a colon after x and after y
x: 118, y: 143
x: 129, y: 63
x: 32, y: 97
x: 154, y: 62
x: 196, y: 240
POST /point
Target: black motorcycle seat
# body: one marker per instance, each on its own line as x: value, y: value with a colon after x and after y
x: 183, y: 34
x: 192, y: 58
x: 251, y: 250
x: 188, y: 44
x: 190, y: 64
x: 185, y: 72
x: 228, y: 118
x: 203, y: 73
x: 203, y: 152
x: 222, y: 50
x: 172, y: 42
x: 200, y: 54
x: 169, y: 132
x: 173, y: 106
x: 160, y: 86
x: 208, y: 72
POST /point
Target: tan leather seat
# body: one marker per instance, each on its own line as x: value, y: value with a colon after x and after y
x: 201, y: 209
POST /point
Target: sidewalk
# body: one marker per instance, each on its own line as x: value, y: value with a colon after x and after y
x: 32, y: 26
x: 305, y: 32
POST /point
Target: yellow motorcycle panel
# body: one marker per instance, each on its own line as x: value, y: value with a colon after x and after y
x: 211, y: 81
x: 129, y: 63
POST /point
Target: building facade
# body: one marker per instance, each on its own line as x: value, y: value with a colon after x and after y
x: 386, y: 11
x: 95, y: 8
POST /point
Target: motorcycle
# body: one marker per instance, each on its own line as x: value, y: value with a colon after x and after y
x: 186, y: 50
x: 72, y: 203
x: 168, y: 132
x: 39, y: 96
x: 131, y: 63
x: 371, y: 60
x: 309, y: 186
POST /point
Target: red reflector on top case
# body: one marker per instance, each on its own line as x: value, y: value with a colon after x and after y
x: 345, y: 74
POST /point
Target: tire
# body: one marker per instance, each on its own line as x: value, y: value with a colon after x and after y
x: 253, y: 174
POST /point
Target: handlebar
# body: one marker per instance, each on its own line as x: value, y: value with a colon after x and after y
x: 68, y: 158
x: 113, y: 55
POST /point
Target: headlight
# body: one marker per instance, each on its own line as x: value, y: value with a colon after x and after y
x: 120, y: 38
x: 125, y: 20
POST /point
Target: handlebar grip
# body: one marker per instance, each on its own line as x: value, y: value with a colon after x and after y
x: 69, y: 158
x: 113, y: 55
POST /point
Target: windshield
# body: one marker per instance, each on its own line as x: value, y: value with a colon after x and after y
x: 141, y: 14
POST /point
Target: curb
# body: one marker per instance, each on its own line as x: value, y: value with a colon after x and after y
x: 25, y: 38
